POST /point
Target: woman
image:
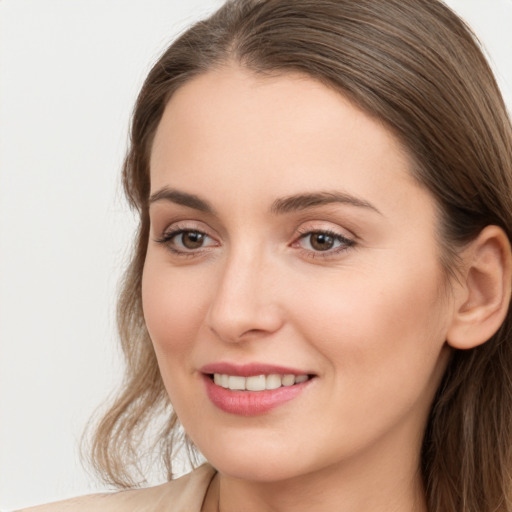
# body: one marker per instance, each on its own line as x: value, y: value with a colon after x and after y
x: 322, y: 275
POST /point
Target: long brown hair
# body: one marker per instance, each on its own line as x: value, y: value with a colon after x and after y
x: 415, y: 66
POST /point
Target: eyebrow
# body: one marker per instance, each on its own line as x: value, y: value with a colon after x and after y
x: 182, y: 198
x: 298, y: 202
x: 301, y: 202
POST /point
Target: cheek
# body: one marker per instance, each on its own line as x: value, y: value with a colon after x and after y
x: 173, y: 308
x: 382, y: 341
x: 379, y: 330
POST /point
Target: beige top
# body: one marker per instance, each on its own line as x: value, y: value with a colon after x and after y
x: 186, y: 494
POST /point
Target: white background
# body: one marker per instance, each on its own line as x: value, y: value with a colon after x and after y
x: 69, y: 74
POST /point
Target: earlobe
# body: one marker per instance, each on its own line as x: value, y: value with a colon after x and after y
x: 485, y: 289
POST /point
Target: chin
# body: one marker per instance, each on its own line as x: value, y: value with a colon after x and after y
x: 257, y: 461
x: 256, y: 469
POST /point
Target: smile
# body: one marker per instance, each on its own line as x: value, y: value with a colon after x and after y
x: 253, y: 389
x: 257, y: 382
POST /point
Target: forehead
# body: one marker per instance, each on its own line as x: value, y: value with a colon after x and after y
x: 284, y: 132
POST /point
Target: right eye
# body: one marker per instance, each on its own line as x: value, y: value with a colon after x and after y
x: 185, y: 241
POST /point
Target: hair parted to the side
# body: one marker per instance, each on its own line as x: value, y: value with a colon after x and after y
x: 415, y: 66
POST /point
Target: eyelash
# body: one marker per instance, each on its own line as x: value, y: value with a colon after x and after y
x: 169, y: 236
x: 345, y: 243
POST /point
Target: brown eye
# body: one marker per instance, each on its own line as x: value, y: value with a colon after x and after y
x: 324, y: 241
x: 321, y: 241
x: 187, y: 241
x: 191, y: 239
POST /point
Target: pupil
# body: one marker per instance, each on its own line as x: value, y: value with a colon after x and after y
x: 192, y: 239
x: 321, y: 241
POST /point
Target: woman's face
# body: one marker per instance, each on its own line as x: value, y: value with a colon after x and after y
x: 289, y: 241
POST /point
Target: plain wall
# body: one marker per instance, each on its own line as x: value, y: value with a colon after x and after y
x: 69, y: 74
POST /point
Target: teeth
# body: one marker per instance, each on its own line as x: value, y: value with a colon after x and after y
x: 235, y: 382
x: 273, y: 381
x: 257, y: 382
x: 289, y: 380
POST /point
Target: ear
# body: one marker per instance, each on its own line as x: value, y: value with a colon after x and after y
x: 482, y: 301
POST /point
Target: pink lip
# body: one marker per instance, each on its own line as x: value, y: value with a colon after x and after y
x: 248, y: 370
x: 250, y: 403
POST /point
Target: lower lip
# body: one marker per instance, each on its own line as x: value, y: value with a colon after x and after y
x: 251, y: 403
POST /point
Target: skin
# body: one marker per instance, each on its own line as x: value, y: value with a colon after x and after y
x: 368, y: 318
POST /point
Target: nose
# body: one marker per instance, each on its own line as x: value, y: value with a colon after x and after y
x: 245, y: 303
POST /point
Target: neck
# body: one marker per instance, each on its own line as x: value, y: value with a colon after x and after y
x: 380, y: 481
x: 318, y: 494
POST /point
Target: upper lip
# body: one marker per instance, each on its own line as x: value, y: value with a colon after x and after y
x: 250, y: 369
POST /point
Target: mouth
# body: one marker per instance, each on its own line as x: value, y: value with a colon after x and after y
x: 254, y: 389
x: 258, y: 382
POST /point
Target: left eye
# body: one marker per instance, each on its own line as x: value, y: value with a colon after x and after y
x: 321, y: 241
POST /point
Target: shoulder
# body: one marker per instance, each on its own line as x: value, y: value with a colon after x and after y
x: 185, y: 494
